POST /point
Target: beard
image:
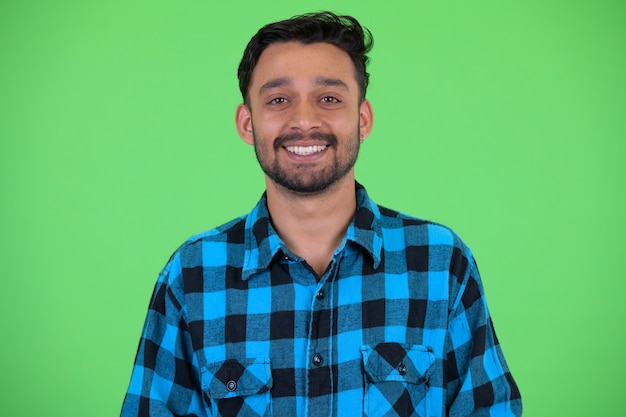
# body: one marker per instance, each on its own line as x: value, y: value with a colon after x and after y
x: 303, y: 178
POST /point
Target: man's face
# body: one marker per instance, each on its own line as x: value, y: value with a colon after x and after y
x: 304, y: 116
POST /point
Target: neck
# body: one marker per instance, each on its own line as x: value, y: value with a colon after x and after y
x: 312, y: 226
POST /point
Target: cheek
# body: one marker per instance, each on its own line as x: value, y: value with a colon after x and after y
x: 268, y: 125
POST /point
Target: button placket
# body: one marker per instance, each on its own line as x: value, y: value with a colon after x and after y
x: 321, y: 357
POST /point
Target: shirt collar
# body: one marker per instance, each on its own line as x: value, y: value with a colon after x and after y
x: 262, y: 244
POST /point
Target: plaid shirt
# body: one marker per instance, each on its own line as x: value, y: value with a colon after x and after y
x: 397, y: 326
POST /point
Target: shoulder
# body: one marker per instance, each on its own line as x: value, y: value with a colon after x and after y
x: 417, y: 231
x: 211, y: 247
x: 430, y: 247
x: 231, y: 232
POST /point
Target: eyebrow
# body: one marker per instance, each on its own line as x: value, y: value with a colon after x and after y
x: 319, y: 81
x: 275, y: 83
x: 331, y: 82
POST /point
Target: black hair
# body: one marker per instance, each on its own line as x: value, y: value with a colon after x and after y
x: 344, y: 32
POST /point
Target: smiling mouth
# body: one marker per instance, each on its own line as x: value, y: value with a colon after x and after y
x: 305, y: 150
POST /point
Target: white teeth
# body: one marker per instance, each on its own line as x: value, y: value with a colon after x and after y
x: 305, y: 150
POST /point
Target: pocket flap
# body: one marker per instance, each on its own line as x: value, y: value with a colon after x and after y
x: 237, y: 377
x: 397, y: 362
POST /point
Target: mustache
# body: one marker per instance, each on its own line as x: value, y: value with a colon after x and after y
x: 282, y: 140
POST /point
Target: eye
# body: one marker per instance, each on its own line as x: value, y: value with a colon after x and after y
x: 330, y: 100
x: 278, y: 100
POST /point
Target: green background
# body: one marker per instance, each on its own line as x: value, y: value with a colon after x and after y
x: 502, y: 119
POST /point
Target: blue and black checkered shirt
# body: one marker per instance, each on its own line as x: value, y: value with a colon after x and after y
x: 397, y: 326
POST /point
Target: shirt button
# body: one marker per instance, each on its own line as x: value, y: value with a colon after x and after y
x: 402, y: 369
x: 231, y: 385
x: 320, y: 294
x: 318, y: 360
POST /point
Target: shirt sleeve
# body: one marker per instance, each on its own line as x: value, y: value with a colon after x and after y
x: 478, y: 380
x: 165, y: 380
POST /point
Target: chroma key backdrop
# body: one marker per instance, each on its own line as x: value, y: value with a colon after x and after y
x: 505, y: 120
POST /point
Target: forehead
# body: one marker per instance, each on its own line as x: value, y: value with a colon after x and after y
x: 300, y: 62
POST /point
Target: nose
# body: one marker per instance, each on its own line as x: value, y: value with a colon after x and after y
x: 305, y: 116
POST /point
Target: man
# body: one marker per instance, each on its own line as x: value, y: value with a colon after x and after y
x: 318, y: 302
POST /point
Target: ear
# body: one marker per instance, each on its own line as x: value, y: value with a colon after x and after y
x: 243, y: 121
x: 366, y: 119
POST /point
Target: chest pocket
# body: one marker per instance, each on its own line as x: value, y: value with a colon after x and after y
x: 239, y: 387
x: 396, y: 379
